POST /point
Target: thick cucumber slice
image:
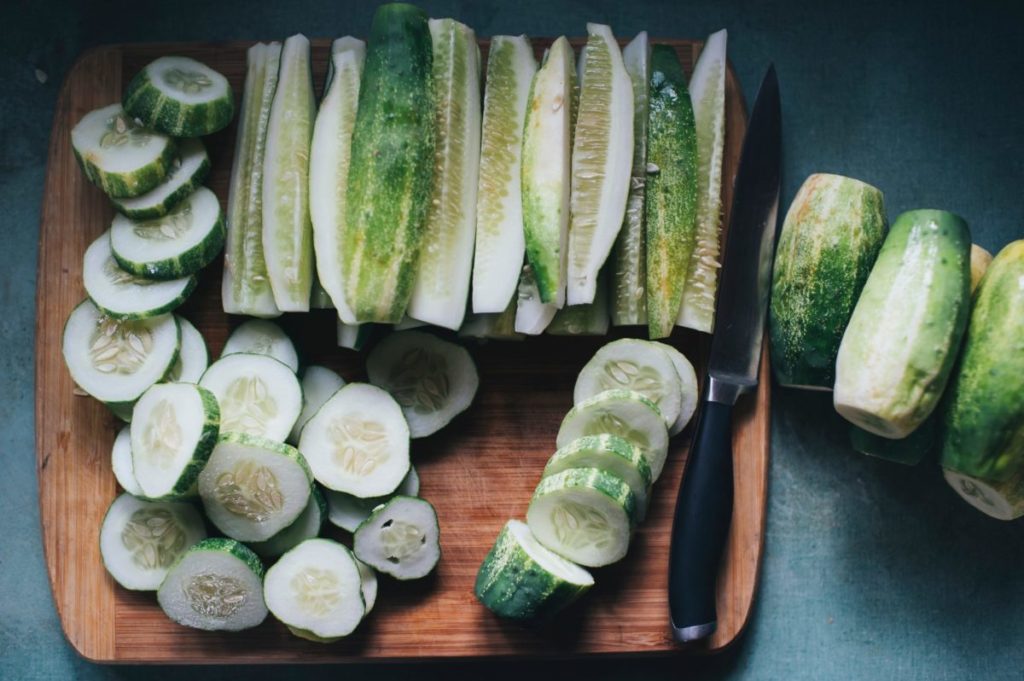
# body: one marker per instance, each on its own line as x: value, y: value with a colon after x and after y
x: 186, y: 174
x: 707, y: 94
x: 124, y: 295
x: 602, y: 157
x: 999, y: 500
x: 140, y: 540
x: 609, y: 453
x: 368, y: 586
x: 353, y: 336
x: 318, y: 384
x: 589, y: 319
x: 629, y: 256
x: 177, y: 245
x: 258, y: 395
x: 690, y: 389
x: 635, y: 365
x: 520, y: 579
x: 120, y: 156
x: 980, y: 260
x: 180, y: 97
x: 348, y: 512
x: 217, y: 586
x: 432, y: 379
x: 584, y: 515
x: 260, y: 337
x: 306, y: 526
x: 121, y: 463
x: 446, y: 256
x: 252, y: 488
x: 194, y: 358
x: 401, y: 538
x: 245, y: 288
x: 533, y: 315
x: 174, y: 428
x: 116, y: 360
x: 500, y: 245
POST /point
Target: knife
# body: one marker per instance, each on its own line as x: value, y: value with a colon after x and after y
x: 704, y: 506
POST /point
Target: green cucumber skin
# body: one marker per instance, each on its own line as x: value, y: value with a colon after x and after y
x: 392, y: 167
x: 910, y: 450
x: 155, y: 312
x: 671, y: 192
x: 830, y: 239
x: 135, y: 183
x: 270, y: 445
x: 172, y: 200
x: 608, y: 484
x: 188, y: 263
x: 186, y: 484
x: 984, y: 415
x: 144, y: 101
x: 235, y: 548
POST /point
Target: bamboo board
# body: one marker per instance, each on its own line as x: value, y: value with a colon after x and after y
x: 478, y: 472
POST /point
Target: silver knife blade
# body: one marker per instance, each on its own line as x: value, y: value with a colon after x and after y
x: 746, y: 267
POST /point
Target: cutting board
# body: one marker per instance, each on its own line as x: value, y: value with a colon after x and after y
x: 478, y: 472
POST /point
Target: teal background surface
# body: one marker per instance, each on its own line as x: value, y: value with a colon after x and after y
x: 871, y: 570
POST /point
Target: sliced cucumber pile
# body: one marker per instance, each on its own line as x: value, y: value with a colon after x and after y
x: 258, y: 395
x: 261, y: 337
x: 318, y: 384
x: 121, y: 463
x: 180, y: 97
x: 348, y: 512
x: 609, y: 453
x: 306, y: 526
x: 186, y: 174
x: 401, y: 538
x: 193, y: 358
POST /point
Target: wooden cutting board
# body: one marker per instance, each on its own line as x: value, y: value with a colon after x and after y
x: 479, y: 471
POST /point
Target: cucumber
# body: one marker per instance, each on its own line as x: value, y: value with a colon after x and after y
x: 118, y: 155
x: 445, y: 264
x: 602, y: 157
x: 433, y: 380
x: 317, y: 588
x: 217, y: 586
x: 999, y: 500
x: 318, y: 297
x: 260, y: 337
x: 348, y: 512
x: 532, y: 314
x: 358, y: 442
x: 306, y: 526
x: 124, y: 295
x: 980, y: 260
x: 690, y: 389
x: 408, y: 323
x: 707, y: 94
x: 500, y: 325
x: 500, y: 245
x: 252, y: 488
x: 368, y: 585
x: 585, y: 515
x: 245, y: 288
x: 140, y: 540
x: 121, y: 463
x: 671, y: 190
x: 828, y: 243
x: 329, y: 158
x: 188, y: 171
x: 611, y: 454
x: 899, y: 347
x: 180, y: 97
x: 520, y: 579
x: 546, y: 177
x: 193, y: 358
x: 629, y: 255
x: 401, y: 538
x: 258, y: 395
x: 353, y: 336
x: 588, y: 319
x: 177, y: 245
x: 392, y: 167
x: 909, y: 450
x: 318, y: 384
x: 984, y: 410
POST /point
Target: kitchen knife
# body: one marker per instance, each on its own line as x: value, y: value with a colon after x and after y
x: 704, y: 506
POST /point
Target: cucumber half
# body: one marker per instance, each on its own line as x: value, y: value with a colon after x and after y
x: 187, y: 173
x: 609, y: 453
x: 258, y: 395
x: 260, y: 337
x: 318, y: 384
x: 348, y: 512
x: 121, y: 463
x: 194, y: 358
x: 180, y: 97
x: 401, y: 538
x: 306, y: 526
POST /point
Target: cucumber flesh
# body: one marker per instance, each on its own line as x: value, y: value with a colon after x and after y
x: 353, y: 336
x: 609, y: 453
x: 999, y: 500
x: 688, y: 381
x: 186, y: 174
x: 194, y: 358
x: 348, y: 512
x: 258, y: 395
x: 180, y: 97
x: 306, y: 526
x: 368, y: 585
x: 121, y: 463
x: 400, y: 538
x: 533, y: 315
x: 260, y: 337
x: 318, y: 384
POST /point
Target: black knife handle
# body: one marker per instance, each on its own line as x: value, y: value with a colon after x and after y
x: 701, y: 525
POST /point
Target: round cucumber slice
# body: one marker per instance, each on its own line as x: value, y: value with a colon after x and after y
x: 999, y: 500
x: 368, y: 585
x: 688, y: 381
x: 609, y: 453
x: 258, y: 395
x: 306, y: 526
x: 349, y: 512
x: 186, y: 174
x: 261, y: 337
x: 400, y: 538
x: 318, y: 384
x: 194, y: 358
x: 176, y: 245
x: 121, y: 463
x: 180, y: 97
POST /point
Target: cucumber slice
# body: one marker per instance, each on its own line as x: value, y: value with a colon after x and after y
x: 217, y: 586
x: 688, y: 381
x: 252, y: 487
x: 121, y: 463
x: 520, y: 579
x: 124, y: 295
x: 500, y: 245
x: 348, y: 512
x: 635, y: 365
x: 118, y: 155
x: 306, y: 526
x: 177, y: 245
x: 584, y: 515
x: 999, y: 500
x: 358, y: 442
x: 368, y: 585
x: 260, y: 337
x: 318, y: 384
x: 401, y: 538
x: 194, y: 358
x: 117, y: 360
x: 432, y: 379
x: 588, y: 319
x: 245, y: 288
x: 174, y: 428
x: 140, y: 540
x: 532, y: 314
x: 258, y: 395
x: 609, y: 453
x: 602, y: 157
x: 187, y: 173
x: 353, y: 336
x: 446, y: 256
x: 180, y: 97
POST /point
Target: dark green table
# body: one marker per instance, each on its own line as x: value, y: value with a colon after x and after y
x: 871, y: 571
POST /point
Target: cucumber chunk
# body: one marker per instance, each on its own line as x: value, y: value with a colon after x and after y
x: 1000, y: 500
x: 140, y: 540
x: 318, y: 384
x: 121, y: 463
x: 258, y: 395
x: 348, y: 512
x: 180, y: 97
x: 401, y: 538
x: 432, y: 379
x: 118, y: 155
x: 688, y: 381
x: 188, y: 171
x: 368, y: 585
x: 533, y: 315
x: 217, y: 586
x: 174, y: 428
x: 609, y: 453
x: 306, y: 526
x: 179, y: 244
x: 260, y: 337
x: 194, y: 358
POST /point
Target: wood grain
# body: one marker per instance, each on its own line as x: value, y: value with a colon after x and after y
x: 478, y: 472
